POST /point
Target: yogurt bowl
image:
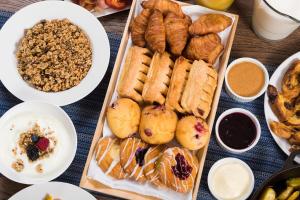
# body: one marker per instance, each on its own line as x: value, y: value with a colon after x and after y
x: 38, y: 142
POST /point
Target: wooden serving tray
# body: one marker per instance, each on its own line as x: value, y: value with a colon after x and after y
x: 90, y: 184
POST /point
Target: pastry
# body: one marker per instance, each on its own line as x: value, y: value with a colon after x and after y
x: 123, y: 117
x: 192, y: 133
x: 207, y: 48
x: 164, y: 6
x: 178, y: 169
x: 176, y: 32
x: 291, y: 83
x: 282, y: 130
x: 199, y: 90
x: 178, y: 80
x: 155, y: 34
x: 158, y: 78
x: 138, y: 28
x: 157, y: 124
x: 134, y: 73
x: 210, y: 23
x: 132, y: 153
x: 151, y: 161
x: 107, y: 156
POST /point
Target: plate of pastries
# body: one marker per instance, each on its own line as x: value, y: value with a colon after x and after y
x: 282, y: 105
x: 157, y: 119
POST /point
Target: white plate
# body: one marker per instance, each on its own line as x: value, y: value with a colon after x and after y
x: 59, y: 190
x: 269, y: 115
x: 13, y: 31
x: 22, y: 117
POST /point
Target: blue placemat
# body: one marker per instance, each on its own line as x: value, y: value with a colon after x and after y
x: 265, y: 159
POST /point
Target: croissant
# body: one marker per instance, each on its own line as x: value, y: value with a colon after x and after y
x: 164, y: 6
x: 176, y: 33
x: 155, y: 34
x: 138, y: 28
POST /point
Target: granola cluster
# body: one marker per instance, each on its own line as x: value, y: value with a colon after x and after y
x: 54, y: 55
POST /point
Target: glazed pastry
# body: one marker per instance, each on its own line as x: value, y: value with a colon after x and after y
x: 210, y: 23
x: 164, y: 6
x: 157, y: 124
x: 291, y: 83
x: 295, y: 118
x: 176, y: 32
x: 107, y: 156
x: 132, y: 153
x: 151, y: 161
x: 155, y: 34
x: 123, y: 117
x: 282, y: 130
x: 192, y: 133
x: 158, y: 78
x: 138, y: 28
x: 199, y: 90
x: 178, y: 80
x: 178, y: 169
x: 134, y: 73
x: 207, y: 48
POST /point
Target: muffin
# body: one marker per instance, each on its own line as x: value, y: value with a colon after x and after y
x: 123, y: 117
x: 178, y: 169
x: 158, y: 124
x: 192, y: 132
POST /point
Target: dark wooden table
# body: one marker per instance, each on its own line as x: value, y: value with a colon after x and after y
x: 246, y: 44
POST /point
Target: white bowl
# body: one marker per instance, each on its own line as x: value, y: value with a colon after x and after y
x: 237, y: 97
x: 252, y: 117
x: 13, y: 30
x: 18, y: 119
x: 226, y: 161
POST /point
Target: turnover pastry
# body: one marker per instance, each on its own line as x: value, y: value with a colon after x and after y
x: 176, y: 32
x: 132, y: 153
x: 107, y: 155
x: 151, y: 161
x: 199, y: 90
x: 207, y: 48
x: 164, y: 6
x: 138, y: 28
x: 158, y: 124
x: 181, y: 69
x: 192, y: 133
x: 155, y: 34
x: 158, y: 78
x: 134, y: 73
x: 123, y: 117
x: 178, y: 169
x: 210, y: 23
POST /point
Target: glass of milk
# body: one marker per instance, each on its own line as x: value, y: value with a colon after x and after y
x: 275, y: 19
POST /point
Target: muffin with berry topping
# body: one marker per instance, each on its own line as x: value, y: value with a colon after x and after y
x: 177, y: 169
x: 192, y: 132
x: 123, y: 117
x: 158, y: 124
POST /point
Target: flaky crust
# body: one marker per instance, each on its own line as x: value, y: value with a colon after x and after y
x: 158, y: 78
x: 199, y: 90
x: 164, y: 6
x: 138, y: 28
x: 181, y: 69
x: 134, y: 72
x: 210, y: 23
x: 206, y: 48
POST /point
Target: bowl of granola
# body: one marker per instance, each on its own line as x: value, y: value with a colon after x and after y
x: 54, y: 55
x: 38, y: 142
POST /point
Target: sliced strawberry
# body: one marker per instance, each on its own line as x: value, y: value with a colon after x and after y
x: 117, y: 4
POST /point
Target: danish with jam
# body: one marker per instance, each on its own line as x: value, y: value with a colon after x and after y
x: 158, y: 78
x: 107, y: 155
x: 158, y: 124
x: 123, y: 117
x: 178, y: 169
x: 199, y: 90
x: 134, y: 73
x: 192, y: 133
x: 132, y: 153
